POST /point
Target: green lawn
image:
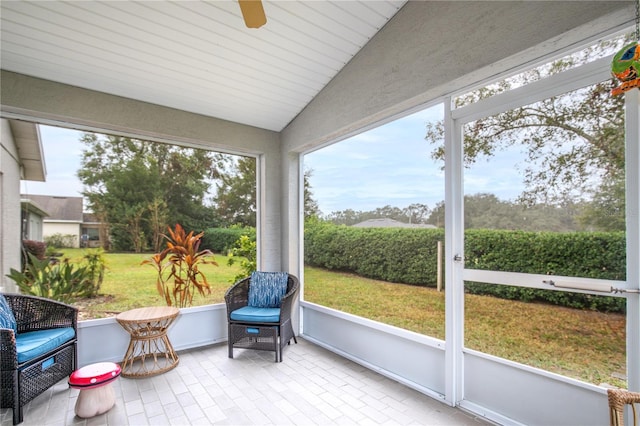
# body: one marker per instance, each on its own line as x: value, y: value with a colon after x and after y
x: 576, y: 343
x: 582, y: 344
x: 128, y: 284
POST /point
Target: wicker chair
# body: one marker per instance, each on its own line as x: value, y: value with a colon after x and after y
x: 618, y: 400
x: 270, y: 335
x: 23, y: 380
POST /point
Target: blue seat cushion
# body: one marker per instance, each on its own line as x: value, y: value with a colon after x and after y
x: 266, y: 289
x: 7, y: 319
x: 253, y: 314
x: 32, y: 344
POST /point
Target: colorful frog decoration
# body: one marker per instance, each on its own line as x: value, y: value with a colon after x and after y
x: 626, y: 68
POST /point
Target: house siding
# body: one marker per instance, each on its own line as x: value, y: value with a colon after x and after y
x: 10, y: 207
x: 71, y: 228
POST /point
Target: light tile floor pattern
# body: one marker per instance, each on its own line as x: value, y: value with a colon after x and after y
x: 312, y: 386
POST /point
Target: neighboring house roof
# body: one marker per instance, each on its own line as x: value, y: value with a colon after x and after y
x: 59, y: 208
x: 391, y: 223
x: 30, y: 206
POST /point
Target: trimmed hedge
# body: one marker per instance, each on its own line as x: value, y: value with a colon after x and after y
x: 580, y: 254
x: 399, y: 255
x: 221, y: 240
x: 408, y: 255
x: 575, y: 254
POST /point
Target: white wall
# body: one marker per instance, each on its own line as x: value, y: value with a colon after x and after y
x: 430, y: 49
x: 9, y: 207
x: 34, y: 229
x: 104, y: 339
x: 64, y: 228
x: 411, y: 358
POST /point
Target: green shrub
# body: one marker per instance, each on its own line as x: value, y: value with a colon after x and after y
x: 96, y: 265
x: 61, y: 241
x: 221, y: 240
x: 62, y: 281
x: 580, y: 254
x: 560, y: 298
x: 244, y: 250
x: 402, y: 255
x: 409, y: 256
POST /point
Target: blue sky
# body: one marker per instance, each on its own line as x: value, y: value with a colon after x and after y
x: 62, y: 151
x: 388, y: 165
x: 392, y: 165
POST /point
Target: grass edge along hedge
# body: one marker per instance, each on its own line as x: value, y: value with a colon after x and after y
x: 409, y: 256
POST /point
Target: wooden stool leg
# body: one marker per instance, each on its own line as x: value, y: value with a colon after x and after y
x: 92, y: 402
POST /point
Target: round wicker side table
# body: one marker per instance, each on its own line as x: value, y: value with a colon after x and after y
x: 150, y: 352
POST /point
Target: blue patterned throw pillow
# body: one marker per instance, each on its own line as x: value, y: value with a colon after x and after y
x: 266, y: 289
x: 7, y: 320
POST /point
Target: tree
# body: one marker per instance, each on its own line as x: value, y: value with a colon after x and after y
x: 140, y: 188
x: 607, y: 209
x: 311, y: 208
x: 414, y: 213
x: 235, y: 197
x: 417, y: 212
x: 345, y: 217
x: 486, y: 211
x: 574, y: 142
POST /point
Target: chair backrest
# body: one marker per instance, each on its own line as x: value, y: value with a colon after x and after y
x: 618, y: 400
x: 266, y: 289
x: 7, y: 319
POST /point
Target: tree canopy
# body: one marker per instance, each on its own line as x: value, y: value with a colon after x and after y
x: 574, y: 142
x: 139, y: 188
x: 486, y: 211
x: 415, y: 213
x: 482, y: 211
x: 235, y: 198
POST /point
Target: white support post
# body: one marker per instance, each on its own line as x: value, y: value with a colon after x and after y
x: 454, y: 249
x: 632, y: 165
x: 261, y: 210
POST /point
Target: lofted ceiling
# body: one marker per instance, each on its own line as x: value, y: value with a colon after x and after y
x: 196, y: 56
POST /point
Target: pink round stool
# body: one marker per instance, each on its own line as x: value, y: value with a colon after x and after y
x: 96, y: 393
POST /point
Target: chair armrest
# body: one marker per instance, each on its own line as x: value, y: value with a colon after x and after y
x: 9, y: 358
x: 618, y: 399
x: 237, y: 296
x: 38, y: 313
x: 288, y: 299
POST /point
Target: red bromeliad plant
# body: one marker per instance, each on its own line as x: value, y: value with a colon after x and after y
x: 177, y: 266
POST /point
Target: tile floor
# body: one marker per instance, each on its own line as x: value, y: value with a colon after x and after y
x: 312, y: 386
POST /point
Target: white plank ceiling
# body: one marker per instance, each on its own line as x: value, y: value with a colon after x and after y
x: 196, y: 56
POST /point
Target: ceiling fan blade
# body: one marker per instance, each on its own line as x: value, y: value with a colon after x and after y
x: 253, y: 13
